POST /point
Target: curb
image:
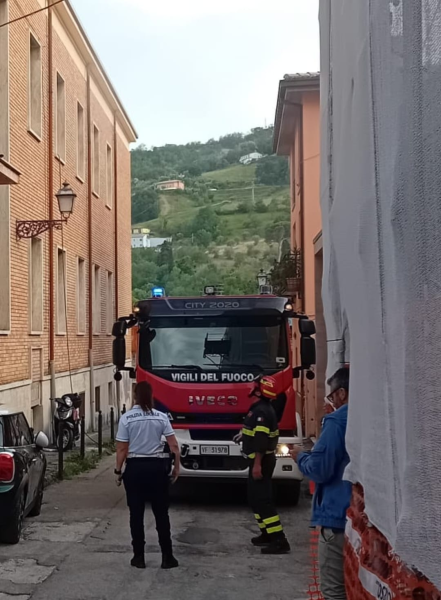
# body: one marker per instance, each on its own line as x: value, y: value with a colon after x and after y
x: 51, y: 476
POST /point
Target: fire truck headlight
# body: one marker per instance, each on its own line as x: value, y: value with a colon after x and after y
x: 282, y: 451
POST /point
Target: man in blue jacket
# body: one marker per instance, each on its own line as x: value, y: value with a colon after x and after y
x: 325, y: 466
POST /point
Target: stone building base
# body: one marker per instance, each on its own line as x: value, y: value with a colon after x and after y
x: 34, y: 399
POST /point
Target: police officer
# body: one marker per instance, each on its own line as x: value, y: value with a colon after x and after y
x: 260, y: 436
x: 140, y: 447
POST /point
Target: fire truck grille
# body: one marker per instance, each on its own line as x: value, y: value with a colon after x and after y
x: 213, y: 435
x: 215, y: 463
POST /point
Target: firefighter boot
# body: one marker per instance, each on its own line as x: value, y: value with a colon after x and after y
x: 261, y: 540
x: 279, y: 545
x: 169, y: 562
x: 138, y: 561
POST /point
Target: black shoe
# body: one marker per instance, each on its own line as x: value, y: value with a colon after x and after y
x: 261, y: 540
x: 169, y: 562
x: 138, y: 561
x: 278, y: 546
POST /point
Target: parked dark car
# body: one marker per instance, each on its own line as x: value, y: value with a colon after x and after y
x: 22, y: 470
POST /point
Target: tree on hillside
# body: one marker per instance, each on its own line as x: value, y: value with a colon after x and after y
x: 260, y: 206
x: 273, y: 170
x: 145, y: 205
x: 277, y: 231
x: 203, y: 238
x: 165, y: 256
x: 231, y: 140
x: 247, y: 148
x: 173, y: 161
x: 233, y: 156
x: 186, y: 265
x: 206, y: 219
x: 262, y: 138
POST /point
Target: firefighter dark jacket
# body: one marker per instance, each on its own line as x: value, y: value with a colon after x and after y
x: 260, y: 431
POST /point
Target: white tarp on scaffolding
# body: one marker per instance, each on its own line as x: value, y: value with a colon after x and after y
x: 381, y: 202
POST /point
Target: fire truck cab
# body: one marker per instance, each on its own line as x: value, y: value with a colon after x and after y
x: 202, y: 356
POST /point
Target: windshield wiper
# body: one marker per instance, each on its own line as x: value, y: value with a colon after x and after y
x: 242, y: 366
x: 187, y: 367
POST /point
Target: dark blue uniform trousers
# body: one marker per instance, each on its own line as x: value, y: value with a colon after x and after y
x: 147, y: 480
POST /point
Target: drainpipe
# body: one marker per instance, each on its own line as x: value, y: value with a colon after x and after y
x: 302, y: 243
x: 302, y: 203
x: 50, y: 137
x: 115, y: 205
x: 299, y: 108
x: 115, y: 202
x: 89, y: 207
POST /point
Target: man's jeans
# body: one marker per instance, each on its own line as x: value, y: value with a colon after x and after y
x: 332, y: 578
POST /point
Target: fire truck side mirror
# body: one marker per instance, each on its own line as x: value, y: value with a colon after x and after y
x: 306, y: 327
x: 307, y: 352
x: 150, y: 335
x: 119, y: 328
x: 119, y: 352
x: 307, y: 343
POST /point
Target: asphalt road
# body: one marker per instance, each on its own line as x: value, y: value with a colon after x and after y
x: 79, y: 548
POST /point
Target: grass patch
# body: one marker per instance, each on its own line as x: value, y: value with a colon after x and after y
x: 239, y: 173
x: 75, y: 465
x: 109, y: 447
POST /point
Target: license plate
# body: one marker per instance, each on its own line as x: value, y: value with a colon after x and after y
x: 216, y: 450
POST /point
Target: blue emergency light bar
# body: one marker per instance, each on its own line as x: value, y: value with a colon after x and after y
x: 158, y: 292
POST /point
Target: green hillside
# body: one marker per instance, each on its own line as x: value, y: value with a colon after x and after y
x: 236, y: 173
x: 225, y: 226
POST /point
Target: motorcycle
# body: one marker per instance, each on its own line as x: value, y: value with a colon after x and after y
x: 67, y: 411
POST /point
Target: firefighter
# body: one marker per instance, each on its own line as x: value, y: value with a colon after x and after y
x: 260, y: 436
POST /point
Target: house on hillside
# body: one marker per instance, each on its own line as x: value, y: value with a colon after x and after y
x: 250, y: 158
x: 141, y: 239
x: 157, y: 242
x: 173, y: 184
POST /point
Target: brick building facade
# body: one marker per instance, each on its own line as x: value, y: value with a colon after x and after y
x: 60, y: 120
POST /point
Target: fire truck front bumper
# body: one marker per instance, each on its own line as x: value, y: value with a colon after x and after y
x: 225, y: 460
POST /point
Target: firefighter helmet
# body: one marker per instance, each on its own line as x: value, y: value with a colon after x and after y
x: 268, y: 387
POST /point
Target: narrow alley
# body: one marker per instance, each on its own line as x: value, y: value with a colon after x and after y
x: 79, y: 548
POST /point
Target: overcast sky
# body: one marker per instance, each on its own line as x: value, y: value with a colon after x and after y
x: 190, y: 70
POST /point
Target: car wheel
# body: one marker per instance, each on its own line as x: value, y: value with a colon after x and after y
x: 36, y: 509
x: 10, y: 532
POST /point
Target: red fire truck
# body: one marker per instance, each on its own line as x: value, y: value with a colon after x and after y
x: 202, y: 356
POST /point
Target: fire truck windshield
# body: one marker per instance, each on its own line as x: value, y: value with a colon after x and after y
x: 208, y: 343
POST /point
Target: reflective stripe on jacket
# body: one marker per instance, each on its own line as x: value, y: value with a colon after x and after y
x: 260, y: 431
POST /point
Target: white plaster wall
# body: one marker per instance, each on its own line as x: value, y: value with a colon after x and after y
x: 17, y: 396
